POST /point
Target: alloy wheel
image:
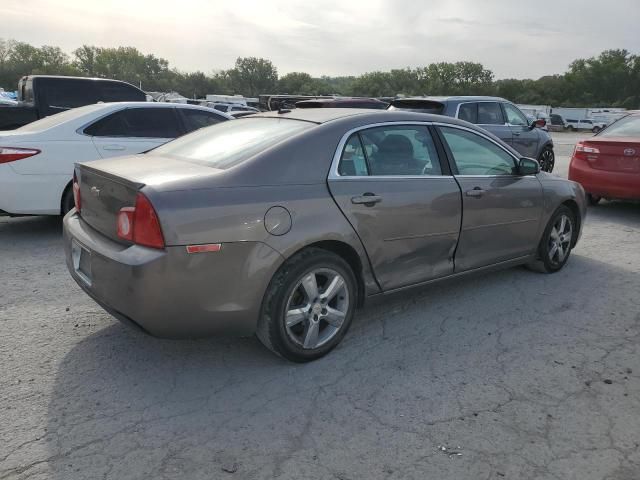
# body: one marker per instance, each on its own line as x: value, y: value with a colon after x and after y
x: 547, y: 161
x: 560, y: 239
x: 316, y: 308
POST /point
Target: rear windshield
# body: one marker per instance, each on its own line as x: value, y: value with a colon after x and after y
x: 231, y: 143
x: 423, y: 106
x: 625, y: 127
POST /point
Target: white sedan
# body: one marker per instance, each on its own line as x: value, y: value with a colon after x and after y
x: 36, y: 161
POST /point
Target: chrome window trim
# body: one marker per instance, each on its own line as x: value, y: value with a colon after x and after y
x: 334, y: 175
x: 333, y: 172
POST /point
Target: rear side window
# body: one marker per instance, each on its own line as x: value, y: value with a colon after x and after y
x: 222, y: 108
x: 234, y: 142
x: 195, y: 119
x: 490, y: 113
x: 468, y: 112
x: 137, y: 122
x: 62, y: 93
x: 390, y: 151
x: 353, y: 162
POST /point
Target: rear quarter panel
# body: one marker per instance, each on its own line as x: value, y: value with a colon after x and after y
x: 225, y: 214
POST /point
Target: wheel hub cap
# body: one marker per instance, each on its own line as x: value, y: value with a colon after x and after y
x: 316, y: 308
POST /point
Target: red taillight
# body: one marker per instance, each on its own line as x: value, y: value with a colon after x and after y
x: 584, y: 152
x: 140, y: 224
x: 11, y: 154
x: 76, y: 192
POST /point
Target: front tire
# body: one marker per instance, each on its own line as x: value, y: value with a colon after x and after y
x: 547, y: 159
x: 308, y: 306
x: 593, y: 200
x: 556, y: 243
x: 67, y: 202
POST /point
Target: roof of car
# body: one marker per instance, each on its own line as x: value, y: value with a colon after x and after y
x: 364, y: 115
x: 455, y: 98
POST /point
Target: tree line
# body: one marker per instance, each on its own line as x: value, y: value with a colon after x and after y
x: 610, y: 79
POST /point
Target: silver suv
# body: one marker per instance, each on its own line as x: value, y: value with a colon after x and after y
x: 494, y: 114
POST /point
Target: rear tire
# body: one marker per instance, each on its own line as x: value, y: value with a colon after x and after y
x: 593, y: 200
x: 67, y: 202
x: 571, y: 129
x: 308, y: 306
x: 556, y: 243
x: 596, y: 129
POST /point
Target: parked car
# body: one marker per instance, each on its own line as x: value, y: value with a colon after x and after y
x: 36, y: 161
x: 607, y: 165
x: 262, y: 225
x: 42, y: 95
x: 231, y: 107
x: 241, y: 113
x: 494, y: 114
x: 584, y: 124
x: 343, y: 102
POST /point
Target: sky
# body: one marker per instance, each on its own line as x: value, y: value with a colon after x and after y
x: 513, y: 38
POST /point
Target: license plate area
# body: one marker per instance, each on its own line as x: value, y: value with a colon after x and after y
x: 81, y: 261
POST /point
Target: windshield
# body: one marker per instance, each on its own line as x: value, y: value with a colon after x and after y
x: 231, y: 143
x: 625, y: 127
x: 57, y: 119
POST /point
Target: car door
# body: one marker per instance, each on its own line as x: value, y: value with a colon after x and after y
x: 501, y: 209
x: 405, y: 207
x: 524, y: 139
x: 134, y: 130
x: 487, y: 115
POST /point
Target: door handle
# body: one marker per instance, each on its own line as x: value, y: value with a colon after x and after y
x: 367, y: 199
x: 476, y: 192
x: 113, y: 147
x: 516, y: 134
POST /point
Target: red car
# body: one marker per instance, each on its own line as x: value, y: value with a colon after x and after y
x: 608, y: 164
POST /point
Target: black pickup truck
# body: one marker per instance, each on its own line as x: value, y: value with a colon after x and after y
x: 42, y: 95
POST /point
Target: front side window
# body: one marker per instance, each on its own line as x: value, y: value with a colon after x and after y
x: 515, y: 116
x: 475, y: 155
x: 391, y: 151
x: 138, y: 123
x: 490, y: 113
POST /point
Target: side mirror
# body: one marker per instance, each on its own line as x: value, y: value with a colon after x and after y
x: 528, y: 166
x: 539, y: 123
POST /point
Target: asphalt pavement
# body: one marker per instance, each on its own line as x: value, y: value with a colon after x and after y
x: 509, y: 375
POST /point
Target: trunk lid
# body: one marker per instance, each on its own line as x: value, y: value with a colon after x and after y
x: 108, y: 185
x: 103, y: 195
x: 616, y: 154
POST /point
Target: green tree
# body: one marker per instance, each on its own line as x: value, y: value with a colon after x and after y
x: 252, y: 76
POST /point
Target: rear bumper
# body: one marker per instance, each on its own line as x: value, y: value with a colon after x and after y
x: 604, y: 183
x: 31, y: 194
x: 170, y: 293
